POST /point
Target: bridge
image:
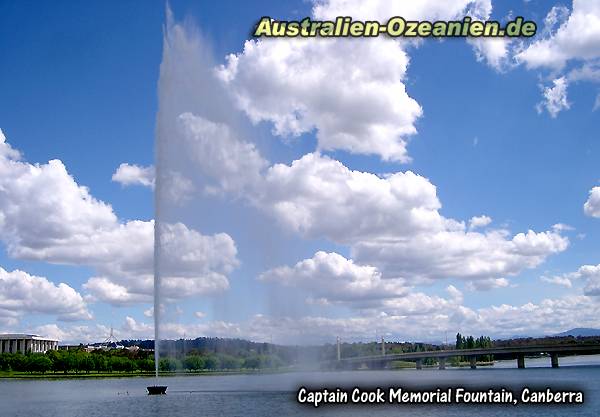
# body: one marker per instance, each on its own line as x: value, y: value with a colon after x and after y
x: 518, y: 352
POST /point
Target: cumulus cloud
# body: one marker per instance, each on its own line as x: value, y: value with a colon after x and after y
x: 74, y: 334
x: 127, y: 174
x: 592, y: 205
x: 554, y: 98
x: 319, y: 196
x: 569, y: 48
x: 366, y: 110
x: 416, y: 317
x: 589, y: 274
x: 226, y: 162
x: 21, y: 293
x: 45, y: 215
x: 351, y: 91
x: 456, y: 254
x: 558, y: 280
x: 494, y: 51
x: 332, y: 278
x: 194, y: 264
x: 479, y: 221
x: 487, y: 284
x: 392, y: 222
x: 577, y: 38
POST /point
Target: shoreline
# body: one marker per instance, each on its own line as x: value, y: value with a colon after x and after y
x: 116, y: 375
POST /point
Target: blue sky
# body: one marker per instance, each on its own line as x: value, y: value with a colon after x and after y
x: 79, y: 84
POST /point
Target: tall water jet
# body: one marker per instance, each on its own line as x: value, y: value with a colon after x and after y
x: 215, y: 226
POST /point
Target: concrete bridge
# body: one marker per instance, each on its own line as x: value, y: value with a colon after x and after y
x: 517, y: 352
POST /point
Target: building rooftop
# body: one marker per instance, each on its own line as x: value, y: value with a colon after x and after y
x: 4, y: 336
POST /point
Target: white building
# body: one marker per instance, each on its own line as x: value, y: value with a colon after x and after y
x: 13, y: 343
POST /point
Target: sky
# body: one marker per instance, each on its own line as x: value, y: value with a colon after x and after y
x: 309, y: 188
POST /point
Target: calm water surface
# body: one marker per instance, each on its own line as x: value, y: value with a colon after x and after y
x: 274, y: 395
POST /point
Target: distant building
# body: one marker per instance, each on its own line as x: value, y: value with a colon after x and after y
x: 13, y: 343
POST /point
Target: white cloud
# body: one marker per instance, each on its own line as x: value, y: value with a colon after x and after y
x: 193, y: 264
x: 479, y: 221
x: 21, y: 293
x: 592, y: 205
x: 554, y: 19
x: 45, y: 215
x: 332, y: 278
x: 456, y: 254
x: 365, y: 110
x: 127, y: 174
x: 199, y: 314
x: 555, y: 97
x: 225, y: 162
x: 561, y: 227
x: 352, y: 91
x: 488, y: 284
x: 391, y: 222
x: 41, y: 206
x: 589, y: 274
x: 414, y: 317
x: 569, y: 46
x: 319, y: 196
x: 454, y: 293
x: 74, y: 334
x: 558, y: 280
x: 131, y: 326
x: 494, y: 51
x: 577, y: 38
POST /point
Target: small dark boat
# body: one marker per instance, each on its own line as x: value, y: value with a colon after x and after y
x: 157, y: 390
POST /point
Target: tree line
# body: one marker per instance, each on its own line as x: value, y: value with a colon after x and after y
x: 123, y: 360
x: 469, y: 342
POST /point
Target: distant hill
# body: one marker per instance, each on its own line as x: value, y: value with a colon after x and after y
x: 580, y: 331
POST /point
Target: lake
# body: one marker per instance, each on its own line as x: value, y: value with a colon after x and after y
x: 275, y: 394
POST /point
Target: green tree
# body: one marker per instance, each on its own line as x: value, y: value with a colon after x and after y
x: 63, y: 361
x: 85, y: 362
x: 194, y: 363
x: 38, y: 362
x: 169, y: 365
x: 459, y: 341
x: 211, y: 362
x: 470, y: 343
x: 100, y: 362
x: 145, y: 364
x: 252, y: 362
x: 5, y: 362
x: 120, y: 364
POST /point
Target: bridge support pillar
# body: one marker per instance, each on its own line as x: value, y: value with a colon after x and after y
x: 419, y: 364
x: 473, y: 362
x: 442, y: 362
x: 554, y: 360
x: 521, y: 361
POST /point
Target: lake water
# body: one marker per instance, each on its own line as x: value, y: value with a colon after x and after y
x: 275, y: 394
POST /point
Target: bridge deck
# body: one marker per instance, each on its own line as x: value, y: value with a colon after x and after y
x: 515, y: 350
